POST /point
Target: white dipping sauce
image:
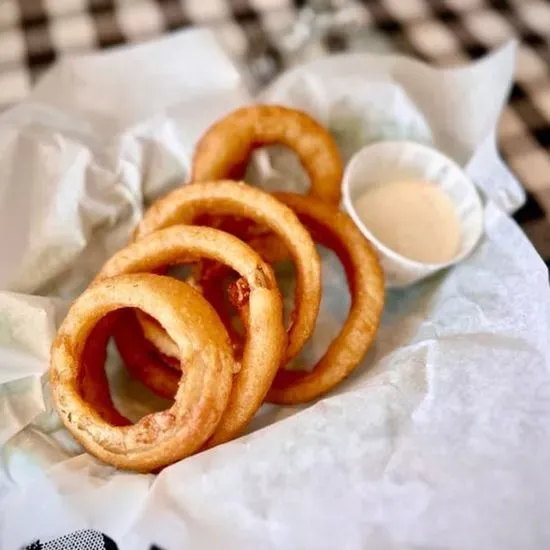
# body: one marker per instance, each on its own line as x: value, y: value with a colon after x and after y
x: 413, y: 218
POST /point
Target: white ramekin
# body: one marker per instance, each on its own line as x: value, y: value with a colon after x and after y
x: 389, y: 161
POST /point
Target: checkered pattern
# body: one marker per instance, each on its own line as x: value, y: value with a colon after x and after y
x: 34, y: 32
x: 86, y: 539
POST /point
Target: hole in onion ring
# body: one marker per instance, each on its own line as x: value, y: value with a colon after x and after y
x: 182, y: 272
x: 104, y: 382
x: 277, y: 168
x: 332, y: 314
x: 215, y: 282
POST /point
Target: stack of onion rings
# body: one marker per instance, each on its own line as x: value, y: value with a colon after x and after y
x: 177, y: 338
x: 229, y: 198
x: 266, y: 342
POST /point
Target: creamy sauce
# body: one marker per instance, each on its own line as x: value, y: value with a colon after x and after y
x: 413, y: 218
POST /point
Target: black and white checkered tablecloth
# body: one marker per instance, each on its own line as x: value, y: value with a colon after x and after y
x: 34, y: 32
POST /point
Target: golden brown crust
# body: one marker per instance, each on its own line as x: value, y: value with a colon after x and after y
x: 229, y: 198
x: 225, y: 148
x: 160, y: 438
x: 335, y: 230
x: 265, y: 346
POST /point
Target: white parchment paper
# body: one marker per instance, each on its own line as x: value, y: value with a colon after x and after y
x: 440, y: 440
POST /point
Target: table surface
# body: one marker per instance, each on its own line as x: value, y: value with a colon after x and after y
x: 444, y: 32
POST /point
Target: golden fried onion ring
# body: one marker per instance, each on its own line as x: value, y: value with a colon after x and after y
x: 160, y: 438
x: 226, y: 146
x: 229, y: 198
x: 266, y: 343
x: 336, y: 231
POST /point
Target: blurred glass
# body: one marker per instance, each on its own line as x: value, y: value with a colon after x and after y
x: 321, y: 19
x: 321, y: 27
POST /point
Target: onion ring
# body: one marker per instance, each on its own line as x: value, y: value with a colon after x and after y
x: 336, y: 231
x: 266, y: 343
x: 225, y: 148
x: 187, y: 203
x: 160, y: 438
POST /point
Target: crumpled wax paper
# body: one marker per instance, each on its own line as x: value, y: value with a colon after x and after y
x: 439, y: 440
